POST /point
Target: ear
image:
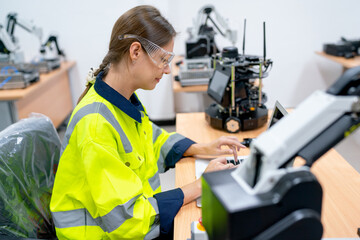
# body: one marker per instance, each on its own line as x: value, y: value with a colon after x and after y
x: 135, y: 51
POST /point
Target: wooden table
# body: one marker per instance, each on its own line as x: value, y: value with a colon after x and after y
x: 51, y: 96
x: 345, y: 62
x: 176, y: 84
x: 339, y: 180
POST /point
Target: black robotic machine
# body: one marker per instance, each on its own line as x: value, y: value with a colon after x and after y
x: 239, y: 102
x: 344, y: 48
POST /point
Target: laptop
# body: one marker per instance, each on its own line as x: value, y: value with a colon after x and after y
x: 201, y: 164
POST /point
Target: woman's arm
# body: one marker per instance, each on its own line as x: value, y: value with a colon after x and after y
x: 214, y: 147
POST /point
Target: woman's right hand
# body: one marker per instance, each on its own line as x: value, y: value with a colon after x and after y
x: 218, y: 164
x: 193, y: 190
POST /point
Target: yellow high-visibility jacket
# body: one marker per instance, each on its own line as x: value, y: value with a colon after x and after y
x: 107, y: 185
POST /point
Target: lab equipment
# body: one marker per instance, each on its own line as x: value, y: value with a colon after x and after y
x: 48, y: 46
x: 201, y: 41
x: 42, y: 63
x: 246, y: 142
x: 278, y: 113
x: 17, y: 75
x: 343, y: 48
x: 196, y: 68
x: 239, y: 100
x: 197, y: 71
x: 12, y: 20
x: 279, y: 202
x: 7, y: 46
x: 14, y: 73
x: 198, y: 231
x: 50, y: 59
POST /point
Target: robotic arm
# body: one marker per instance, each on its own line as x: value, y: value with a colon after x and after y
x: 13, y: 20
x: 6, y: 44
x: 280, y: 202
x: 204, y: 15
x: 48, y: 46
x: 47, y: 63
x: 201, y: 42
x: 317, y: 125
x: 9, y: 45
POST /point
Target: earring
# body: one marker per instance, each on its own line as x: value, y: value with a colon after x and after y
x: 134, y: 61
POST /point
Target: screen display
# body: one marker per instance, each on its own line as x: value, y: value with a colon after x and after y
x: 279, y: 112
x: 276, y: 117
x: 217, y: 85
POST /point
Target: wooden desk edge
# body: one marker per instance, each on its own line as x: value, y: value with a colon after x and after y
x: 196, y: 88
x: 345, y: 62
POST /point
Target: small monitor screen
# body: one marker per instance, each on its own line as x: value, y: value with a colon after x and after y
x: 217, y: 85
x: 278, y: 113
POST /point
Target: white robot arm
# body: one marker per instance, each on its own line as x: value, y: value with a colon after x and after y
x: 204, y: 15
x: 6, y: 43
x: 315, y: 126
x: 229, y: 34
x: 201, y: 42
x: 277, y: 201
x: 13, y: 20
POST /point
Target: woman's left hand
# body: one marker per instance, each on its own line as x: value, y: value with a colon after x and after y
x: 215, y: 147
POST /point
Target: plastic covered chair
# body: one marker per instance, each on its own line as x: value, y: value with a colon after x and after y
x: 29, y: 154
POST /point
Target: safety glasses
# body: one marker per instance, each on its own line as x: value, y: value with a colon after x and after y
x: 157, y: 54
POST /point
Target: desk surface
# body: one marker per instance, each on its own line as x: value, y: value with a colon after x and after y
x: 176, y: 84
x: 345, y: 62
x: 340, y: 182
x: 16, y: 94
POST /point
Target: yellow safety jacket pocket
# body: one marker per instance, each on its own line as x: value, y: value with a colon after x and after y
x: 132, y: 160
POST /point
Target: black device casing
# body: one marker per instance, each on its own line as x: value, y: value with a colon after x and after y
x: 248, y: 121
x: 290, y: 210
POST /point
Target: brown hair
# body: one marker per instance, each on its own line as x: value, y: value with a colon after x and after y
x: 145, y: 21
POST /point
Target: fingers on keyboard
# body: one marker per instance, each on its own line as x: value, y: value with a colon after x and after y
x: 233, y: 161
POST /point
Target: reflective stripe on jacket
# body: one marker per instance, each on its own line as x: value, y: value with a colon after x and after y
x: 109, y: 172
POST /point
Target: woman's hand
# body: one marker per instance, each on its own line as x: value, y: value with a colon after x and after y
x: 193, y: 190
x: 215, y: 147
x: 218, y: 164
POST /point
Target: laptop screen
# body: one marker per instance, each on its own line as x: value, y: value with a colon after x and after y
x: 278, y: 113
x: 217, y: 85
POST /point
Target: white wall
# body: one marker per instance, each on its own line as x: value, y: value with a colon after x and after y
x: 295, y: 30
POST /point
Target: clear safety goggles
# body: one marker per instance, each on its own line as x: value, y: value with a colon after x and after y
x: 157, y: 54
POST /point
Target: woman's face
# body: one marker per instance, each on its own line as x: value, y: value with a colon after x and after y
x: 147, y: 72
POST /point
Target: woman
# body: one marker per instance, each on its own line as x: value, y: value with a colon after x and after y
x: 107, y: 184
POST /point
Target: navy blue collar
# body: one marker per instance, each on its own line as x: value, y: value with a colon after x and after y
x: 132, y: 108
